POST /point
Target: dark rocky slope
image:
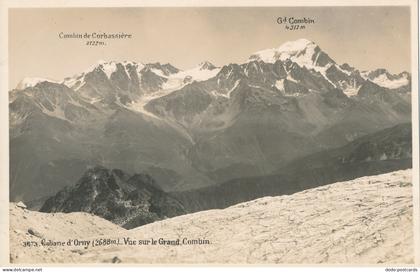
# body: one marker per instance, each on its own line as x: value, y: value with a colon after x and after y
x: 128, y: 201
x: 385, y: 151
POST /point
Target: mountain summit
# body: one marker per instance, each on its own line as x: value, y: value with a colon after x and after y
x: 28, y: 82
x: 196, y: 127
x: 303, y: 52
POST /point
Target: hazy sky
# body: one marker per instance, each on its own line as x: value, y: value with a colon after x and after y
x: 365, y: 37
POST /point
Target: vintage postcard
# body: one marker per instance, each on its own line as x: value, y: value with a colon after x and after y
x: 191, y: 133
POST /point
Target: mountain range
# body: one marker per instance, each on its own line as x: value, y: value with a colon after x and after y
x: 200, y: 128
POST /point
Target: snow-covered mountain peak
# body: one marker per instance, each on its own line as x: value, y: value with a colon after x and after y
x: 385, y: 79
x: 108, y: 67
x: 203, y: 71
x: 162, y: 70
x: 301, y: 50
x: 32, y: 82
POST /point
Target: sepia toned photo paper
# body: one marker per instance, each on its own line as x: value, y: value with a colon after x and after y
x: 209, y: 133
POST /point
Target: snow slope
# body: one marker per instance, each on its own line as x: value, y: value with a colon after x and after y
x: 176, y: 81
x: 299, y: 51
x: 306, y: 53
x: 363, y: 221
